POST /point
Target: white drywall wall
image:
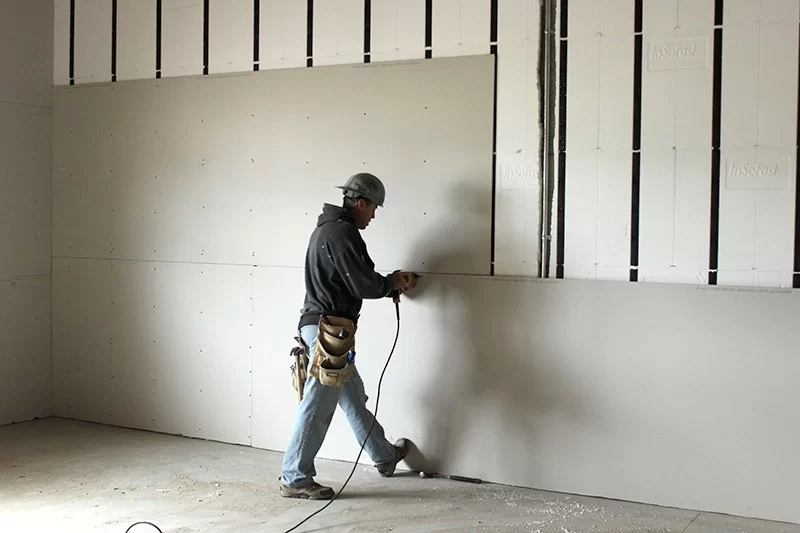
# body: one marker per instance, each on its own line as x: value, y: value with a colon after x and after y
x: 26, y: 30
x: 590, y: 387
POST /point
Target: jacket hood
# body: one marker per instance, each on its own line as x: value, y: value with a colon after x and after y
x: 332, y: 213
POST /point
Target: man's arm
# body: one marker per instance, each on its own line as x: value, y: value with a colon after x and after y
x: 359, y: 277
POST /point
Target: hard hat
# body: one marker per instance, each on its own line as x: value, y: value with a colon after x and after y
x: 365, y: 185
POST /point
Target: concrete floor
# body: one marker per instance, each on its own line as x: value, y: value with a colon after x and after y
x: 67, y: 476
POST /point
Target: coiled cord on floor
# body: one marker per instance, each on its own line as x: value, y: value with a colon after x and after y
x: 374, y: 418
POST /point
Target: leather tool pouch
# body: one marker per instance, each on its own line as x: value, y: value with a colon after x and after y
x: 334, y: 351
x: 299, y: 367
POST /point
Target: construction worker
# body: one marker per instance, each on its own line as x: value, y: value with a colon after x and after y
x: 339, y: 274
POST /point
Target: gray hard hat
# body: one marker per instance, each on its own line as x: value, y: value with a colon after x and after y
x: 365, y: 185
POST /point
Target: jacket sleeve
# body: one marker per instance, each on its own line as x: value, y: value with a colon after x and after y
x: 358, y: 273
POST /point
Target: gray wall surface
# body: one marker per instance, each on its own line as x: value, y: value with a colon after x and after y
x: 175, y: 304
x: 25, y: 154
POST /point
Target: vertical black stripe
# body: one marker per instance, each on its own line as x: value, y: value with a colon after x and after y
x: 562, y: 143
x: 428, y: 29
x: 637, y: 139
x: 256, y: 30
x: 113, y: 40
x: 796, y: 280
x: 310, y: 34
x: 206, y: 4
x: 367, y: 31
x: 493, y: 50
x: 158, y: 39
x: 72, y: 42
x: 716, y: 133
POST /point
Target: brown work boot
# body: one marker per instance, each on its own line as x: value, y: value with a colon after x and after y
x: 401, y: 448
x: 315, y: 491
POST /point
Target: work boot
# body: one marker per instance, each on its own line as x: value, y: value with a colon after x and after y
x: 401, y: 448
x: 315, y: 491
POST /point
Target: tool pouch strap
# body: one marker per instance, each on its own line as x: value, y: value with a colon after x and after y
x: 299, y: 367
x: 336, y: 338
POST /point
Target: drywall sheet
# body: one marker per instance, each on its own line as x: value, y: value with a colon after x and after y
x: 338, y: 32
x: 27, y: 56
x: 157, y: 346
x: 676, y: 141
x: 25, y: 137
x: 518, y: 173
x: 207, y: 169
x: 60, y: 42
x: 461, y: 27
x: 599, y: 133
x: 759, y: 130
x: 182, y: 37
x: 230, y: 45
x: 397, y: 30
x: 24, y: 349
x: 560, y: 399
x: 282, y: 34
x: 136, y: 40
x: 92, y: 41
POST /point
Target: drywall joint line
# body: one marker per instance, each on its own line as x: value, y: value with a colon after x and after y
x: 38, y: 106
x: 43, y: 277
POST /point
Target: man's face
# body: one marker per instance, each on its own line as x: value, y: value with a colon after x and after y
x: 364, y: 213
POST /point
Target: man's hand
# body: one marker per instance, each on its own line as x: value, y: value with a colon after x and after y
x: 402, y: 281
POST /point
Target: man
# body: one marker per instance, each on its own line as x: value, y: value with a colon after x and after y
x: 339, y: 274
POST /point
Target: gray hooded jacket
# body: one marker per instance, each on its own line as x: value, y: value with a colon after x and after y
x: 339, y: 274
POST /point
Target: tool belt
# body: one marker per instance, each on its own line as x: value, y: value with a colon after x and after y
x: 333, y: 362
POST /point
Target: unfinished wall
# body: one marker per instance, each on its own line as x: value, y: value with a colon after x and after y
x: 678, y: 140
x: 25, y: 141
x: 675, y: 394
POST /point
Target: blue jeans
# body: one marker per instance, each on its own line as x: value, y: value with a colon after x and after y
x: 314, y: 415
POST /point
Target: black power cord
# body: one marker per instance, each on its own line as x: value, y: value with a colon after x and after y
x: 374, y: 418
